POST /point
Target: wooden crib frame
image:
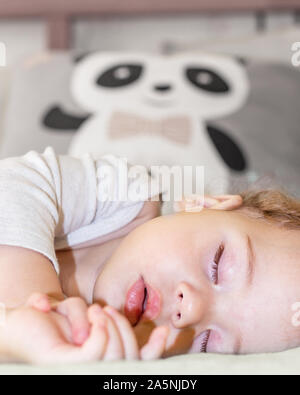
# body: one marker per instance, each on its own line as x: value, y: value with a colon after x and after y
x: 59, y: 14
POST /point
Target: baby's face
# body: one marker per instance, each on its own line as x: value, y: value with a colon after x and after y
x: 226, y: 283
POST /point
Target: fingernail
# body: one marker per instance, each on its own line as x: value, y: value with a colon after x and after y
x: 43, y: 304
x: 97, y: 308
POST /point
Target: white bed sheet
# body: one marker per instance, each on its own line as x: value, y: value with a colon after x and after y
x: 285, y: 363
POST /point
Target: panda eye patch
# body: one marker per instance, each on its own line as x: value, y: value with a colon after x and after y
x: 207, y: 80
x: 120, y: 75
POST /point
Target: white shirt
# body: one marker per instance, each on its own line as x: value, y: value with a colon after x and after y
x: 50, y: 202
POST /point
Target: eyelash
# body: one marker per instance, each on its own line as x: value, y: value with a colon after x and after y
x: 214, y: 276
x: 215, y: 265
x: 203, y: 348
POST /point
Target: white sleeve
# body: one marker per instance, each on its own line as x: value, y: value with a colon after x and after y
x: 49, y: 202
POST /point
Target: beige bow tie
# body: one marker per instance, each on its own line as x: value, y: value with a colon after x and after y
x: 124, y: 125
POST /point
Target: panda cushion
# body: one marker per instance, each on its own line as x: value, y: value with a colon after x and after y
x: 157, y: 110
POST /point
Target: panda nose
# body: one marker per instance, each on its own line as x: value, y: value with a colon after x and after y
x: 163, y: 87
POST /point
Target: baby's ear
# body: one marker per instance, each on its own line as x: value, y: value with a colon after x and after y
x: 196, y: 203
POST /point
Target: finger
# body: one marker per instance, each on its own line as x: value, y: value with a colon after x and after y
x: 75, y: 310
x: 195, y: 203
x: 189, y: 203
x: 130, y: 345
x: 225, y: 197
x: 156, y: 345
x: 93, y: 348
x: 228, y: 202
x: 198, y: 203
x: 114, y: 349
x: 39, y: 302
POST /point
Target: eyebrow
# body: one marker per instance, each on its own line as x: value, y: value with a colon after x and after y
x: 250, y: 276
x: 251, y: 259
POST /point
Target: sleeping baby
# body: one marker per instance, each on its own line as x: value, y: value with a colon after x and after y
x: 87, y: 275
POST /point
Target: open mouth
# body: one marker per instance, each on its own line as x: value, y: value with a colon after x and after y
x: 145, y: 300
x: 143, y: 307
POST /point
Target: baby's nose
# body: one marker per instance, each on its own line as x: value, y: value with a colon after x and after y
x: 190, y: 306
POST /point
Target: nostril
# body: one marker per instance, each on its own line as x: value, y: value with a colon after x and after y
x: 163, y: 88
x: 178, y: 316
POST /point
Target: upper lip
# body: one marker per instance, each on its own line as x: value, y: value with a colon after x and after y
x: 142, y: 302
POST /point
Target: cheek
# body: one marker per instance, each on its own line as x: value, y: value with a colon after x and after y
x: 216, y: 343
x: 265, y: 320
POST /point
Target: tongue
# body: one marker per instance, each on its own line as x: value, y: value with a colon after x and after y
x: 134, y: 301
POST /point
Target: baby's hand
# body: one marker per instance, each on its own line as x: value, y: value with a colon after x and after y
x: 33, y: 336
x: 121, y: 339
x: 122, y: 342
x: 74, y: 309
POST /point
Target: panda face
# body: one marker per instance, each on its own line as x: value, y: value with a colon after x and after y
x: 208, y: 85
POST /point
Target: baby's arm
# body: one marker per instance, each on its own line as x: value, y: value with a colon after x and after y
x: 23, y: 275
x: 48, y: 202
x: 24, y: 272
x: 42, y: 197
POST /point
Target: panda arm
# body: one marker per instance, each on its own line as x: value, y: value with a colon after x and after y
x: 57, y: 119
x: 228, y: 148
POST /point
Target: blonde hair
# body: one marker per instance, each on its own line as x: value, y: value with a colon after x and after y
x: 274, y: 206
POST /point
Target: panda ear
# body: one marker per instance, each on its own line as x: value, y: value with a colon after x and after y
x: 78, y: 58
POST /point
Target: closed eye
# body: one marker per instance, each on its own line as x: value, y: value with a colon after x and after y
x: 215, y: 265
